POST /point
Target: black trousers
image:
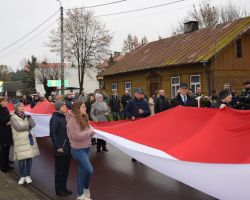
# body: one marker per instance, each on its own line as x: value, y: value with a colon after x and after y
x: 4, y: 156
x: 101, y: 143
x: 62, y: 164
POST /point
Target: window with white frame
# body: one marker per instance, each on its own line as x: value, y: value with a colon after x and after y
x: 175, y: 84
x: 128, y: 87
x: 114, y: 87
x: 195, y: 81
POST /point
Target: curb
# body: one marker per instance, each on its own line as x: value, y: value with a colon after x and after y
x: 34, y: 190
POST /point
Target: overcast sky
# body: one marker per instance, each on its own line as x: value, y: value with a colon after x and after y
x: 19, y: 17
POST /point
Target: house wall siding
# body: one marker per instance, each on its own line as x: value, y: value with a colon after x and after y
x: 141, y: 79
x: 227, y: 68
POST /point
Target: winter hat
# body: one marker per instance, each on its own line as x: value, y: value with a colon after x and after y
x: 183, y: 85
x: 59, y: 104
x: 138, y: 90
x: 224, y: 93
x: 17, y: 105
x: 97, y: 95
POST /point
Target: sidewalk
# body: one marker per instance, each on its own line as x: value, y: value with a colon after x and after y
x: 9, y: 189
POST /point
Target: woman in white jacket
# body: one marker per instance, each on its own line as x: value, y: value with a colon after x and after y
x: 25, y: 146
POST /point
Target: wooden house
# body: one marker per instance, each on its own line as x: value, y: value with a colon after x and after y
x: 207, y: 57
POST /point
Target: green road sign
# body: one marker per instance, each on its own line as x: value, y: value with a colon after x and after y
x: 57, y: 83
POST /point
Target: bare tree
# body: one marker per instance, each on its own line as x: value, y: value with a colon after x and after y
x: 4, y: 73
x: 86, y: 40
x: 45, y: 72
x: 23, y: 63
x: 231, y: 12
x: 207, y: 15
x: 144, y: 40
x: 132, y: 43
x: 177, y: 30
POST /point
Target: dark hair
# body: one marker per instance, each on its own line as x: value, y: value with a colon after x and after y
x: 81, y: 119
x: 2, y: 99
x: 91, y: 95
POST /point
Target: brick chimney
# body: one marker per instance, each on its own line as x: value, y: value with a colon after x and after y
x: 117, y: 53
x: 191, y: 26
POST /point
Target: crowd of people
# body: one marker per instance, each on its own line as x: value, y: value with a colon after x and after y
x: 72, y: 135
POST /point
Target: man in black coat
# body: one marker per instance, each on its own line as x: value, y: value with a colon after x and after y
x: 115, y: 105
x: 124, y: 100
x: 5, y: 135
x: 137, y: 107
x: 61, y: 145
x: 225, y: 98
x: 245, y: 96
x: 183, y: 98
x: 161, y: 102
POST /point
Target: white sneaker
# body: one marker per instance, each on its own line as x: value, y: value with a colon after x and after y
x: 80, y: 198
x: 28, y: 180
x: 83, y: 197
x: 87, y: 193
x: 21, y: 181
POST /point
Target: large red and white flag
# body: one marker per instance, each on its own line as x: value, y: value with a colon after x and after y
x: 208, y: 149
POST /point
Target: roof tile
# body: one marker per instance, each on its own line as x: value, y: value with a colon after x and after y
x: 187, y: 48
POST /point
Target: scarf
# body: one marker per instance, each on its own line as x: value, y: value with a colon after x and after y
x: 20, y: 114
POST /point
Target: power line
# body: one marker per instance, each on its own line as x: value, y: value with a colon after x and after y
x: 23, y: 37
x: 7, y: 47
x: 140, y: 9
x: 148, y: 15
x: 153, y: 14
x: 20, y: 46
x: 98, y: 5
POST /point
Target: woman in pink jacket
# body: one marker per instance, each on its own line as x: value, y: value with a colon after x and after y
x: 80, y: 134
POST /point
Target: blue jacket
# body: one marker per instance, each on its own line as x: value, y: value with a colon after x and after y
x: 133, y: 106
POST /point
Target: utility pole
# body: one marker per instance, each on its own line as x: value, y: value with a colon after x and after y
x: 62, y: 49
x: 62, y: 53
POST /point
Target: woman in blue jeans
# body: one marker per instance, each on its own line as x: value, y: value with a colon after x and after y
x: 80, y: 134
x: 25, y: 146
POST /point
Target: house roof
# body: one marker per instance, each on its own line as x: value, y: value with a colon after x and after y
x: 194, y: 47
x: 107, y: 63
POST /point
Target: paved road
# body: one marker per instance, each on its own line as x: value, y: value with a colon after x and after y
x: 115, y: 178
x: 9, y: 190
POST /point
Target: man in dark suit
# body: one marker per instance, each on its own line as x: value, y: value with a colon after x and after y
x: 183, y: 98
